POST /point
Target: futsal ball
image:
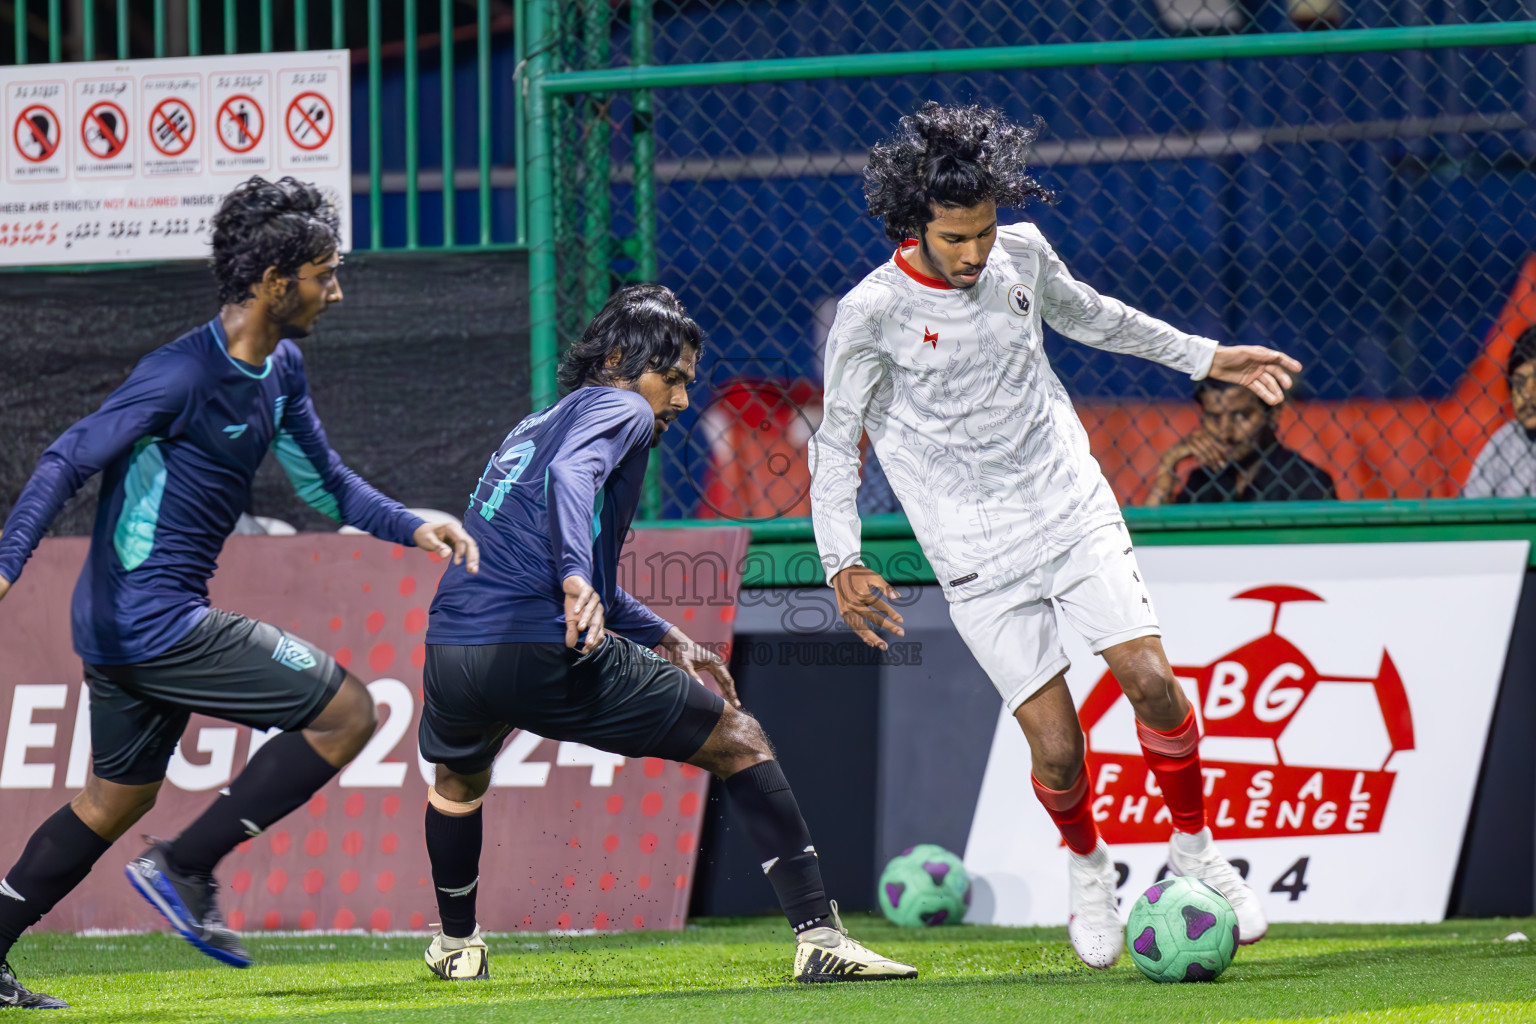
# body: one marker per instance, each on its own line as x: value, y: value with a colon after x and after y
x: 925, y: 885
x: 1182, y: 930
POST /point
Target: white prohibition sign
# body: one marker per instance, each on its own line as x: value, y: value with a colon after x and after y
x: 37, y: 133
x: 241, y: 123
x: 172, y: 126
x: 310, y: 120
x: 104, y: 130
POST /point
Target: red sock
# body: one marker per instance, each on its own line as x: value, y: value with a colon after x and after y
x: 1072, y: 812
x: 1174, y: 758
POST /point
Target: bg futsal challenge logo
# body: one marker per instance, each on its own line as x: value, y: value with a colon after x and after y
x: 1275, y: 730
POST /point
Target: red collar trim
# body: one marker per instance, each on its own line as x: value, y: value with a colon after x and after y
x: 922, y: 279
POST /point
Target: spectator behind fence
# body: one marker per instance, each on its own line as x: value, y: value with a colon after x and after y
x: 1240, y: 457
x: 1506, y: 467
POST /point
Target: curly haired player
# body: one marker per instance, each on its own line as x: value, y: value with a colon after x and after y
x: 937, y: 355
x: 178, y: 445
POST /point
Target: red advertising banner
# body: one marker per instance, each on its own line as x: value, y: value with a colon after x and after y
x: 575, y: 838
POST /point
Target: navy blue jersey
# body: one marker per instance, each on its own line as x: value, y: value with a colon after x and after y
x: 556, y: 500
x: 177, y: 446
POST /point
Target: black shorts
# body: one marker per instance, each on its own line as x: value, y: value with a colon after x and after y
x: 621, y: 698
x: 229, y: 667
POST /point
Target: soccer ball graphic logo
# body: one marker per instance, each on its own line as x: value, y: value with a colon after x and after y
x: 1270, y: 722
x: 1182, y: 930
x: 925, y: 885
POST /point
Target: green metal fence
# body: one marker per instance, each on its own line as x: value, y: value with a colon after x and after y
x: 712, y: 140
x: 389, y: 39
x: 642, y: 147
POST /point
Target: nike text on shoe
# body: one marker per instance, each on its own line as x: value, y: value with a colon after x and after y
x: 828, y: 954
x: 1098, y: 936
x: 14, y: 994
x: 1195, y: 854
x: 459, y: 959
x: 190, y: 905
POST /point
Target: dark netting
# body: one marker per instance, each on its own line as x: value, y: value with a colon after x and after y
x: 1370, y: 213
x: 417, y: 375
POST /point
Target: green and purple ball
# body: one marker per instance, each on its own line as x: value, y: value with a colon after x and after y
x: 925, y: 885
x: 1182, y: 930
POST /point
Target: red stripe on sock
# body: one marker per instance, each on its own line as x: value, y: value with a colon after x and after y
x: 1174, y: 757
x: 1072, y: 812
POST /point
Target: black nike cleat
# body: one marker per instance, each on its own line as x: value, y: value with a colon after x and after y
x: 14, y: 994
x: 189, y: 903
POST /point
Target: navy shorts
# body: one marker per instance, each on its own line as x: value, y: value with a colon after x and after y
x: 622, y: 698
x: 229, y: 667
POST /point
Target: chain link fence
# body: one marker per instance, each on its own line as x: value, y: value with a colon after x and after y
x: 1370, y: 213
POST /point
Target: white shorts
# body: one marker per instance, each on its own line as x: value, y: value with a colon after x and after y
x: 1012, y: 630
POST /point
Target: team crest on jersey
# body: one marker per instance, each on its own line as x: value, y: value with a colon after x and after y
x: 1020, y: 299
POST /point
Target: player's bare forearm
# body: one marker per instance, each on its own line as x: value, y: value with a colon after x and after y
x: 1264, y: 371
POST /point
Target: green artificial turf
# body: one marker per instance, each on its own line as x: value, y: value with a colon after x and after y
x: 738, y: 971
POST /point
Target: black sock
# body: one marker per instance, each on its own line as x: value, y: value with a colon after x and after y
x: 278, y: 780
x: 453, y: 846
x: 772, y: 818
x: 56, y: 859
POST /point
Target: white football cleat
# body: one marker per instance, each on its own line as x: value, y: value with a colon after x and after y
x: 828, y: 954
x: 1195, y: 854
x: 1097, y: 934
x: 459, y: 959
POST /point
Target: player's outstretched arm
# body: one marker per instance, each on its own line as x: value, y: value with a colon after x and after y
x: 693, y: 658
x: 147, y: 406
x: 861, y: 601
x: 1264, y: 371
x: 326, y: 484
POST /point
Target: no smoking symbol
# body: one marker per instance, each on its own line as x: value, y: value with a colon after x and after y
x: 241, y: 124
x: 310, y: 120
x: 104, y: 130
x: 172, y: 127
x: 37, y: 133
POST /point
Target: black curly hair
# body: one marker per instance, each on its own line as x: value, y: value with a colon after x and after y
x: 1523, y: 351
x: 283, y: 224
x: 952, y: 156
x: 645, y: 323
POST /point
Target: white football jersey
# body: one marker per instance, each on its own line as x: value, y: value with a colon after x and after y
x: 975, y: 432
